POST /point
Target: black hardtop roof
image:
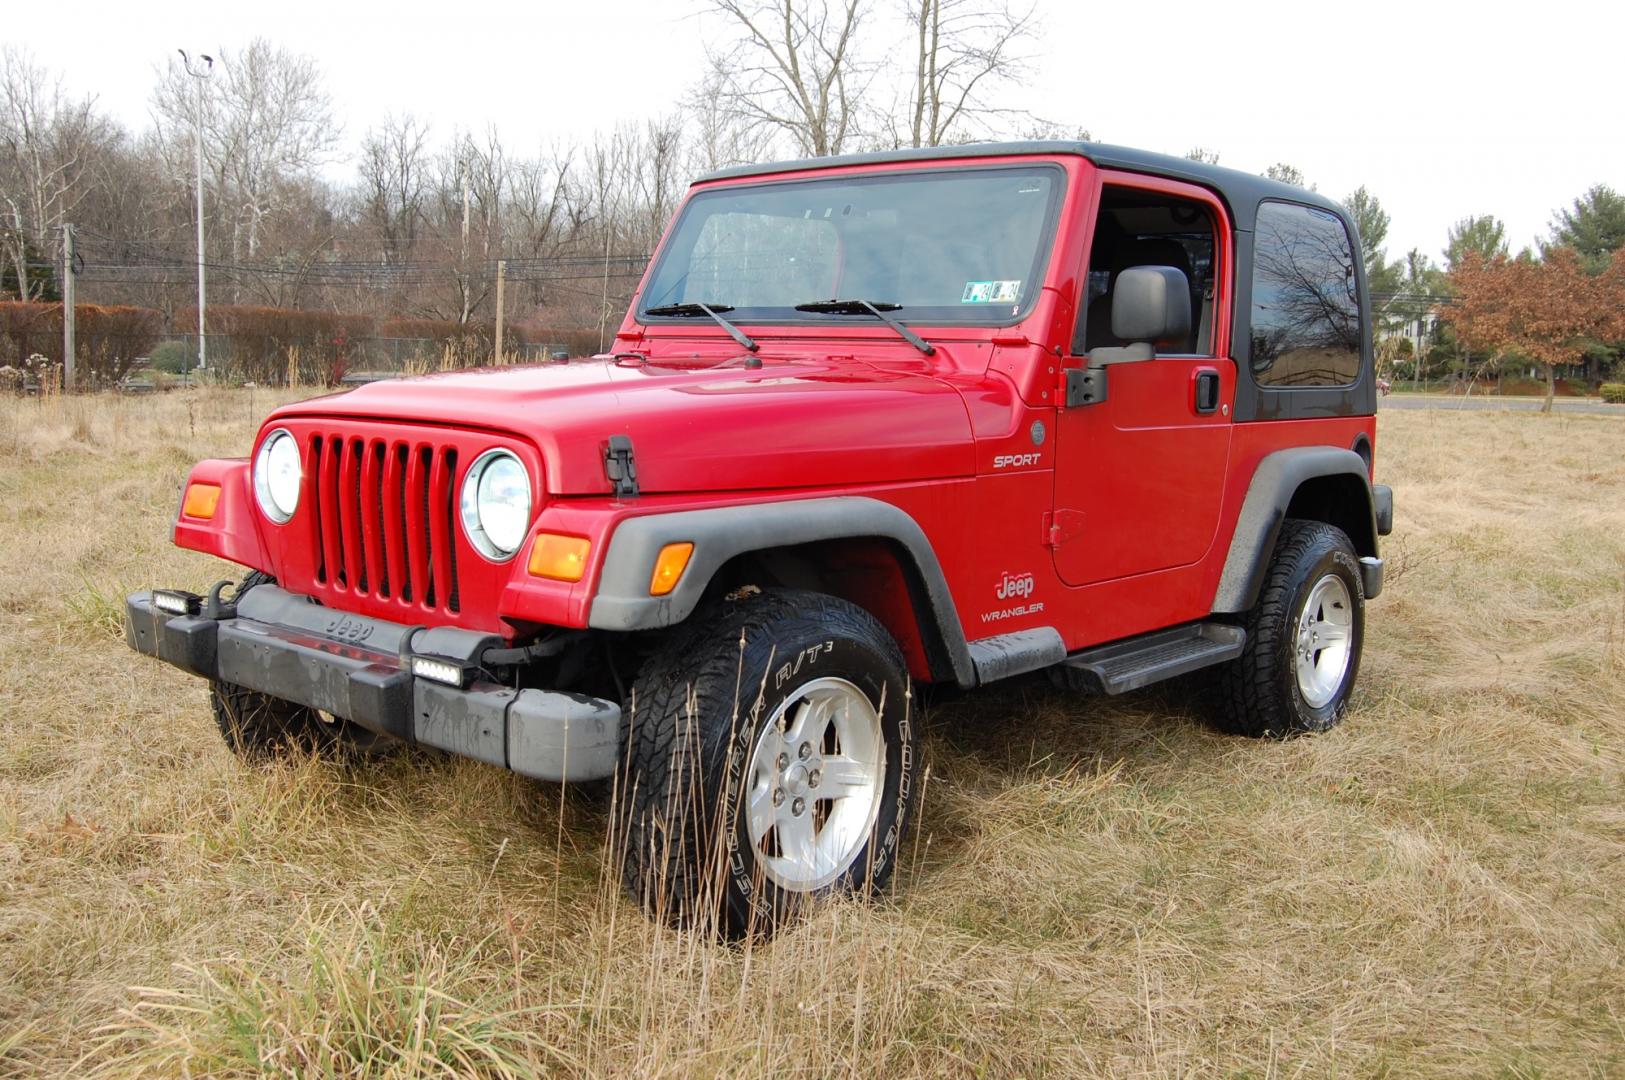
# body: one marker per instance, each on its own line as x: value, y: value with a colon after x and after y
x: 1241, y: 190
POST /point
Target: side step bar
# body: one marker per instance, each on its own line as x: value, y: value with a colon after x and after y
x: 1140, y: 661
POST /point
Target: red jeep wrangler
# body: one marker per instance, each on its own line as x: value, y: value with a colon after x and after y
x: 946, y: 415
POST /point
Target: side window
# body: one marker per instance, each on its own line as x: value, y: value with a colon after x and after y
x: 1147, y: 228
x: 1306, y: 304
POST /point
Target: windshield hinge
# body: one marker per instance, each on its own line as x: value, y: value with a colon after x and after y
x: 619, y: 468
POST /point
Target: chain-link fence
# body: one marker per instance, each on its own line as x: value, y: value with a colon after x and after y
x: 330, y: 361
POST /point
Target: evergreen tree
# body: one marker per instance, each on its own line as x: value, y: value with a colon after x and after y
x: 1382, y: 277
x: 1595, y: 228
x: 1484, y: 236
x: 42, y: 271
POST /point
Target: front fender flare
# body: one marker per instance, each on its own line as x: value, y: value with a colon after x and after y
x: 622, y: 601
x: 1274, y: 482
x: 233, y: 532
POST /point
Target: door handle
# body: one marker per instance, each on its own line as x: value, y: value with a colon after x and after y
x: 1207, y: 391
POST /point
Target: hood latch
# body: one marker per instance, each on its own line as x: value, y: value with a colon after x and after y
x: 619, y: 468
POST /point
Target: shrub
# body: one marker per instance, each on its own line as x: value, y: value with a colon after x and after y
x: 173, y: 357
x: 255, y: 342
x: 1613, y: 393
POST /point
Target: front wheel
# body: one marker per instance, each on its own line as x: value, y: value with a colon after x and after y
x: 770, y: 760
x: 1304, y: 636
x: 261, y: 728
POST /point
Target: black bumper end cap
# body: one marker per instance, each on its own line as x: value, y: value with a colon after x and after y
x: 1371, y: 576
x: 187, y: 641
x: 1382, y: 505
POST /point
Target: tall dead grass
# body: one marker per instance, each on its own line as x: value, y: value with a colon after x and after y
x: 1095, y: 887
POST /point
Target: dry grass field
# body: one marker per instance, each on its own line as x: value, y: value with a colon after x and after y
x: 1095, y: 887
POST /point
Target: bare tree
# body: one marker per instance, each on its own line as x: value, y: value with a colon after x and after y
x: 718, y: 137
x: 1036, y: 129
x: 469, y: 187
x: 394, y: 163
x: 608, y: 162
x: 656, y: 179
x: 964, y: 49
x: 794, y: 69
x: 543, y: 212
x: 267, y: 120
x: 1203, y: 155
x: 1288, y: 174
x: 49, y: 148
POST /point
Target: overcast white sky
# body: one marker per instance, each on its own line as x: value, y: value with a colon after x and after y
x: 1442, y: 110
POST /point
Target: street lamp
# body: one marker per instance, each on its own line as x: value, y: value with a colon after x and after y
x: 201, y: 75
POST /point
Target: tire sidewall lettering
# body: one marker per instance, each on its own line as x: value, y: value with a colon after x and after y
x: 823, y: 657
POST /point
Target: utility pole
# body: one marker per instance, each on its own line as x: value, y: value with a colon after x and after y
x: 68, y: 309
x: 502, y: 274
x: 201, y: 76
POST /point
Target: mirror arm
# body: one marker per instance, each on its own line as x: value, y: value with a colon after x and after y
x: 1133, y: 353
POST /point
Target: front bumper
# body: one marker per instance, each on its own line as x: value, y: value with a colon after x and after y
x: 286, y: 645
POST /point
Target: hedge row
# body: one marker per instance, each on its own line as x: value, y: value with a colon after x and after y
x: 273, y: 345
x: 261, y: 344
x: 108, y: 340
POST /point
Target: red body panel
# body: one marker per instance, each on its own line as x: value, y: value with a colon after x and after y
x: 1102, y: 522
x: 234, y: 531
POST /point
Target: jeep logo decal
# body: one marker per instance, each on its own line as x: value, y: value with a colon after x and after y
x: 349, y: 629
x: 1012, y: 586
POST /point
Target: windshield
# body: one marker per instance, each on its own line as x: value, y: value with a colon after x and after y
x: 961, y: 246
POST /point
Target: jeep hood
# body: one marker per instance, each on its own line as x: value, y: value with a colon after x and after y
x: 797, y: 422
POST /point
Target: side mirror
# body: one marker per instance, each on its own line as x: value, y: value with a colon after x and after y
x: 1151, y: 304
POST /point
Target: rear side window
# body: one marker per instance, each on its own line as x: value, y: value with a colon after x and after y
x: 1306, y: 302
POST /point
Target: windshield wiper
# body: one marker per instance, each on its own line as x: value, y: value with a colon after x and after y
x: 877, y: 308
x: 687, y: 310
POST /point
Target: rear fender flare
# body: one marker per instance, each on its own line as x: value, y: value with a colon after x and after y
x: 622, y: 601
x: 1275, y: 482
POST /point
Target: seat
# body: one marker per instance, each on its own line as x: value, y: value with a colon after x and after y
x: 1142, y: 251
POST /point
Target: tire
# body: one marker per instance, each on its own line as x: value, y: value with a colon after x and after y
x: 1304, y: 637
x: 742, y: 729
x: 260, y: 728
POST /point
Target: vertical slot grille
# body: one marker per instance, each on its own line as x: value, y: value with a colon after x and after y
x: 384, y: 519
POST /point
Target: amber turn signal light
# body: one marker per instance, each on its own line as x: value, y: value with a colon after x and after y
x: 669, y: 566
x: 562, y: 558
x: 201, y: 500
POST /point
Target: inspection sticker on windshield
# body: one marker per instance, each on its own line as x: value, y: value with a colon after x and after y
x: 991, y: 292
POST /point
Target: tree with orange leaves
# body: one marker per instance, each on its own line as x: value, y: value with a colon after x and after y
x: 1548, y: 310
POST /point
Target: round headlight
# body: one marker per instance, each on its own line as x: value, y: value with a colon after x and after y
x: 277, y: 476
x: 495, y: 504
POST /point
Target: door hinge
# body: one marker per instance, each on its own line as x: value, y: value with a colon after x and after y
x: 1061, y: 526
x: 1084, y: 386
x: 619, y: 468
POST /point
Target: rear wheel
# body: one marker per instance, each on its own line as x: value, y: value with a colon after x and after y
x: 769, y: 761
x: 1303, y: 638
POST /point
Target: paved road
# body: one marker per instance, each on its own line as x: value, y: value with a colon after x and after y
x: 1495, y: 404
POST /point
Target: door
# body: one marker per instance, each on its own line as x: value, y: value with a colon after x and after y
x: 1139, y: 475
